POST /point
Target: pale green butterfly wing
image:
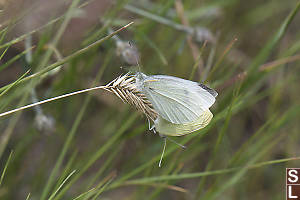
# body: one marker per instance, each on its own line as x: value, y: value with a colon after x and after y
x: 177, y: 100
x: 170, y: 108
x: 167, y: 128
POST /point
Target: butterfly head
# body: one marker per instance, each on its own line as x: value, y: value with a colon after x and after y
x: 139, y: 79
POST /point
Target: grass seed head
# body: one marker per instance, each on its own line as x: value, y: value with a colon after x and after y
x: 126, y: 89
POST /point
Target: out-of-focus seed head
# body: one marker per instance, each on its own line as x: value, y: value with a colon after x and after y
x: 128, y: 52
x: 201, y: 34
x: 45, y: 123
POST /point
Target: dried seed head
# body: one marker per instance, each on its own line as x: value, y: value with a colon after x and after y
x: 125, y: 88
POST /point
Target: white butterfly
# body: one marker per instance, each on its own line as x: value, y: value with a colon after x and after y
x: 182, y: 105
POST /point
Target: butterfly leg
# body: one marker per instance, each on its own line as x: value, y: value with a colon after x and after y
x: 171, y: 140
x: 163, y: 152
x: 151, y: 128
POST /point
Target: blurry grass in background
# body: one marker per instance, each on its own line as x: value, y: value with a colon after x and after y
x: 92, y: 146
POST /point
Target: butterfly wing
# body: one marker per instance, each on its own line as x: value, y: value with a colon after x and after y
x: 177, y: 100
x: 167, y: 128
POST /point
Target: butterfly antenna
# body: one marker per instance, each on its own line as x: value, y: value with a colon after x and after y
x: 182, y: 146
x: 163, y: 152
x: 136, y: 57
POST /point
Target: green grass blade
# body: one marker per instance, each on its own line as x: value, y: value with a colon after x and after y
x: 13, y: 84
x: 3, y: 53
x: 5, y: 167
x: 207, y: 173
x: 22, y: 37
x: 70, y: 57
x: 105, y: 165
x: 219, y: 139
x: 61, y: 185
x: 267, y: 50
x: 147, y: 40
x: 100, y: 152
x: 71, y: 136
x: 86, y: 195
x: 11, y: 125
x: 102, y: 188
x: 59, y: 33
x: 17, y: 57
x: 28, y: 196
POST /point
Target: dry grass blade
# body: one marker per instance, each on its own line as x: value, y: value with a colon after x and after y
x: 194, y: 49
x: 263, y: 68
x: 124, y: 87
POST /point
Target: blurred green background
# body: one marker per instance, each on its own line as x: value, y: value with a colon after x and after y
x: 93, y: 146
